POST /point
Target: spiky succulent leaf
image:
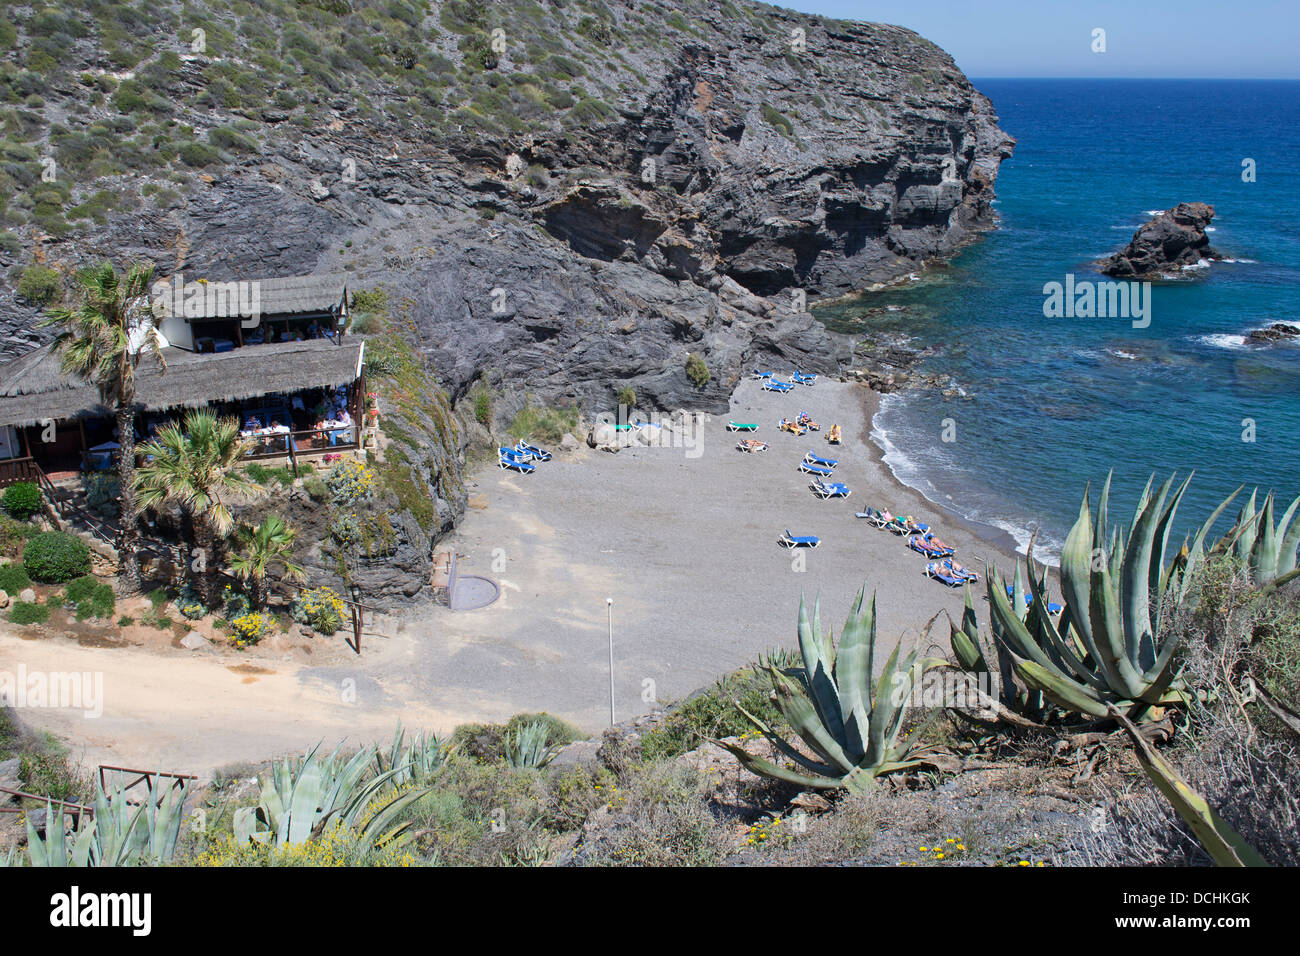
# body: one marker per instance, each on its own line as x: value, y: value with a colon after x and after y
x: 1225, y: 845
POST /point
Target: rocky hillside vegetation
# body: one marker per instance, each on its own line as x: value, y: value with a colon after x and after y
x: 575, y: 195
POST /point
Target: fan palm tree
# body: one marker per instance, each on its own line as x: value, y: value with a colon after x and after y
x: 102, y: 340
x: 271, y: 542
x: 195, y: 469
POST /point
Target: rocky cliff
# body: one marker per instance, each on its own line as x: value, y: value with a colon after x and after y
x: 575, y: 195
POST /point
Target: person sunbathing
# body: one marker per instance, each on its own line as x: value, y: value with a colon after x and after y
x: 935, y: 542
x: 959, y: 570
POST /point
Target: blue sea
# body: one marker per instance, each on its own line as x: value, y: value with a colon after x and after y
x: 1049, y: 404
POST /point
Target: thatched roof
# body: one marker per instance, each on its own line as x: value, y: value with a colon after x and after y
x: 299, y: 294
x: 33, y: 388
x: 294, y: 295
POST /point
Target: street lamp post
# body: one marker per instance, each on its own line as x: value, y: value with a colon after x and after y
x: 609, y: 604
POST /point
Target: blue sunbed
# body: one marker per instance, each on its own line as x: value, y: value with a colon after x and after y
x: 940, y: 573
x: 511, y: 459
x: 919, y: 544
x: 814, y: 459
x: 835, y: 489
x: 803, y: 379
x: 758, y: 374
x: 1052, y: 607
x: 808, y: 469
x: 526, y: 451
x: 799, y: 541
x: 772, y: 385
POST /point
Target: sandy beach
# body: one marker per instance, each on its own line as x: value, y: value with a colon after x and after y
x: 687, y: 548
x: 684, y: 539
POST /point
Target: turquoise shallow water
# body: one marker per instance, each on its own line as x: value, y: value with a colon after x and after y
x: 1050, y: 404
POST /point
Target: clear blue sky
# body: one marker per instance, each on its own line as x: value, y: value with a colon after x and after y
x: 1144, y: 38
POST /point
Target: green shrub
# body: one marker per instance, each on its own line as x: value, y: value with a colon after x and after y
x: 627, y: 396
x: 21, y: 500
x: 349, y: 482
x: 697, y: 371
x: 265, y: 476
x: 54, y: 557
x: 223, y: 137
x: 52, y: 775
x: 12, y: 535
x: 712, y: 713
x: 235, y: 604
x: 13, y: 578
x: 40, y: 285
x: 558, y: 732
x: 189, y: 604
x: 776, y: 120
x: 199, y: 154
x: 316, y: 488
x: 23, y: 613
x: 319, y: 608
x: 543, y: 424
x: 91, y: 596
x: 483, y: 407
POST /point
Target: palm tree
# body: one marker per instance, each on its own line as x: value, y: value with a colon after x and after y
x: 195, y: 469
x: 102, y: 340
x: 271, y: 542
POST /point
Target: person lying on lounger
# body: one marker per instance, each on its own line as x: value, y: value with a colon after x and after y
x: 960, y: 570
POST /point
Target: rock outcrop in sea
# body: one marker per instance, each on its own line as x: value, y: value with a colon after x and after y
x: 1168, y: 243
x: 1276, y: 332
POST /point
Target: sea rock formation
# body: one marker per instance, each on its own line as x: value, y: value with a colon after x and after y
x: 1277, y: 332
x: 1172, y: 240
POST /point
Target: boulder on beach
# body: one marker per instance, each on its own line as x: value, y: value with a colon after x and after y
x: 1172, y: 240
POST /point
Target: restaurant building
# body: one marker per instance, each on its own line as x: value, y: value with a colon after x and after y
x: 290, y: 374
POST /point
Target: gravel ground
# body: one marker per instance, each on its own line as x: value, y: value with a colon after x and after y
x: 685, y: 542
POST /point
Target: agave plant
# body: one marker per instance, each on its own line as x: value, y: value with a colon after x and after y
x: 1269, y: 552
x: 527, y: 746
x: 1107, y: 648
x: 300, y: 798
x: 146, y: 833
x: 119, y: 833
x: 1225, y: 845
x: 850, y: 722
x: 1003, y: 697
x: 414, y: 764
x: 55, y: 848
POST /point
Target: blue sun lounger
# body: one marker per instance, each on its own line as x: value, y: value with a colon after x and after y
x: 1052, y: 607
x: 758, y: 374
x: 808, y: 469
x: 525, y: 450
x: 772, y: 385
x: 920, y: 545
x: 802, y: 379
x: 814, y: 459
x: 799, y: 541
x: 511, y: 459
x: 939, y: 550
x: 835, y: 489
x: 940, y: 573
